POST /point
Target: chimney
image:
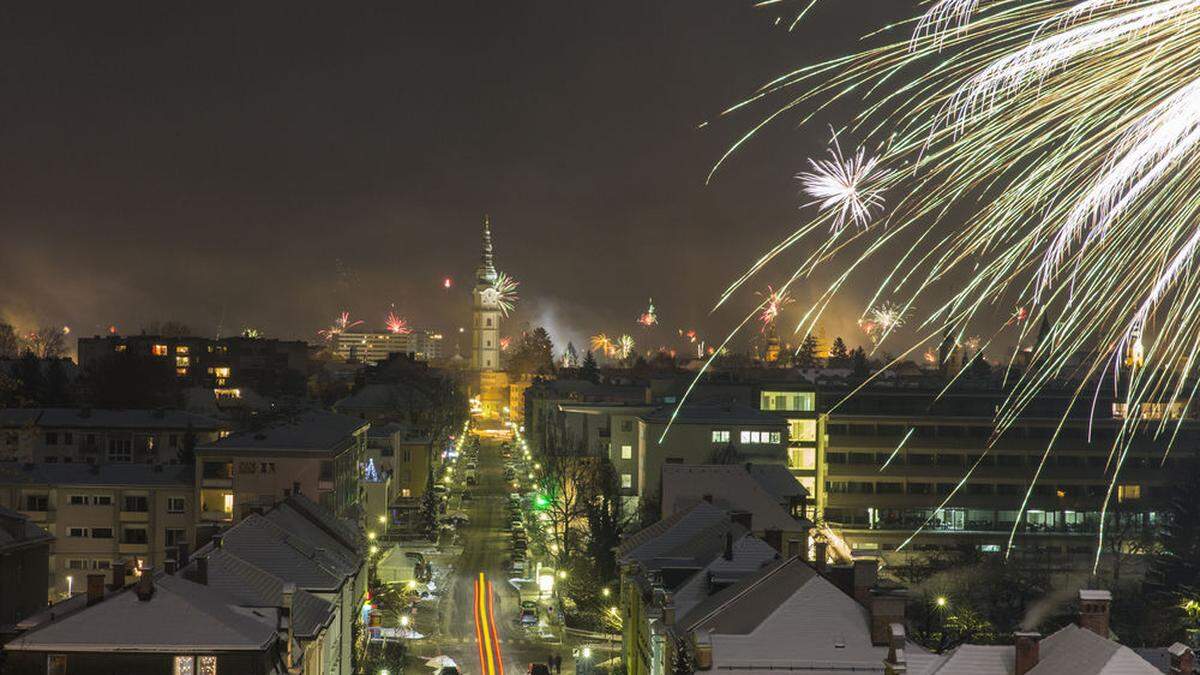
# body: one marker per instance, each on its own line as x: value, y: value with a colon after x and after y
x: 897, y: 662
x: 202, y: 570
x: 866, y: 573
x: 118, y: 575
x: 1027, y: 652
x: 181, y: 554
x: 95, y: 588
x: 169, y: 566
x: 703, y: 651
x: 668, y: 610
x: 821, y: 556
x: 145, y: 585
x: 1093, y: 611
x: 1183, y: 659
x: 743, y: 518
x: 729, y: 545
x: 285, y: 612
x: 886, y: 608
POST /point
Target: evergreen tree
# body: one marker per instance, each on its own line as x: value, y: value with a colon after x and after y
x: 10, y: 344
x: 806, y: 357
x: 590, y: 371
x: 571, y: 356
x: 1175, y: 569
x: 429, y: 507
x: 839, y: 356
x: 859, y: 366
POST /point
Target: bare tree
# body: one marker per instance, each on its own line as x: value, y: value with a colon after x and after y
x: 46, y: 342
x: 10, y: 344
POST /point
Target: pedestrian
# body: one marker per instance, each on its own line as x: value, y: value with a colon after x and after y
x: 558, y: 664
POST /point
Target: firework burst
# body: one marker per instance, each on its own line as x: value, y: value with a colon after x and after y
x: 881, y: 321
x: 649, y: 317
x: 396, y: 324
x: 623, y: 348
x: 505, y: 293
x: 850, y: 188
x: 772, y: 305
x: 340, y: 325
x: 603, y: 344
x: 1089, y: 223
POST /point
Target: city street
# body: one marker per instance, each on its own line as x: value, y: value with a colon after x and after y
x: 486, y: 638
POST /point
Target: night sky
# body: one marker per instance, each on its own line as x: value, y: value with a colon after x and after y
x: 213, y: 162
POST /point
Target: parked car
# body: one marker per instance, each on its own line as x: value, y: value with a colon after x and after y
x: 447, y: 670
x: 529, y: 618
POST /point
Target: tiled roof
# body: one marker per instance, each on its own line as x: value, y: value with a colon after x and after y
x: 250, y: 586
x: 777, y: 480
x: 77, y: 473
x: 309, y: 431
x: 669, y: 533
x: 180, y: 617
x: 788, y: 617
x: 1071, y: 649
x: 750, y: 555
x: 730, y: 487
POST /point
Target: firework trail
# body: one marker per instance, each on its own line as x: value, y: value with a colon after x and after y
x: 1089, y: 223
x: 340, y: 325
x: 649, y: 317
x: 396, y: 324
x: 504, y: 293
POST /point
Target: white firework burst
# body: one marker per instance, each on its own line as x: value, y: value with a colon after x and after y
x: 850, y: 187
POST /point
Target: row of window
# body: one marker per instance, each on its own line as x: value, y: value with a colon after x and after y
x: 789, y: 401
x: 748, y: 437
x: 1124, y: 493
x: 130, y: 503
x: 1095, y: 435
x: 1034, y: 520
x: 129, y: 534
x: 1061, y: 460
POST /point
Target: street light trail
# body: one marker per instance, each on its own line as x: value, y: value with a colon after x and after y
x: 490, y: 659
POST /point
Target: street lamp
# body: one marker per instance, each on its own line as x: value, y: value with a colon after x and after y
x: 70, y: 585
x: 940, y: 601
x: 605, y: 592
x: 404, y: 621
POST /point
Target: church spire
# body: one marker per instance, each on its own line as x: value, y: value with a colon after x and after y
x: 487, y: 268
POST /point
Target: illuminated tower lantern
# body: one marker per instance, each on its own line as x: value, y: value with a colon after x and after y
x: 485, y: 327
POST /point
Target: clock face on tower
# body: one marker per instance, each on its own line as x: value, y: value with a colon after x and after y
x: 490, y: 296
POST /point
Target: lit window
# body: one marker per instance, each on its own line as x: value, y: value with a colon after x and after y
x: 56, y: 664
x: 405, y: 492
x: 181, y: 372
x: 183, y: 361
x: 626, y: 480
x: 222, y: 371
x: 802, y: 459
x: 208, y: 665
x: 745, y: 437
x: 791, y: 401
x: 1129, y: 492
x: 159, y: 350
x: 626, y: 452
x: 185, y: 665
x: 228, y: 502
x: 776, y: 437
x: 804, y: 431
x: 720, y: 437
x: 181, y: 349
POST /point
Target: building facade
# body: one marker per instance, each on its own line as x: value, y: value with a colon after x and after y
x: 24, y: 567
x: 373, y: 347
x: 88, y: 436
x: 102, y: 514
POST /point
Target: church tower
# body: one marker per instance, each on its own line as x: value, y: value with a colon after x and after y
x: 485, y: 325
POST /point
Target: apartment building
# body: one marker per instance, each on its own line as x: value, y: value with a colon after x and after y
x: 402, y: 458
x: 226, y: 365
x: 314, y: 453
x: 797, y: 403
x: 702, y: 434
x: 90, y: 436
x: 102, y: 514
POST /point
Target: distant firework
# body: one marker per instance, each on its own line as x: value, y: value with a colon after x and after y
x: 624, y: 347
x: 649, y: 317
x: 505, y: 343
x: 603, y: 344
x: 881, y: 321
x: 447, y: 283
x: 504, y: 293
x: 252, y: 333
x: 340, y: 325
x: 773, y: 305
x: 396, y: 324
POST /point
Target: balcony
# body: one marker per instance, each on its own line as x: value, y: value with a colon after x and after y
x: 216, y: 482
x: 135, y: 517
x: 39, y: 516
x: 133, y: 549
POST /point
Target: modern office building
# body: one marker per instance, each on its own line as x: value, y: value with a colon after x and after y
x: 373, y: 347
